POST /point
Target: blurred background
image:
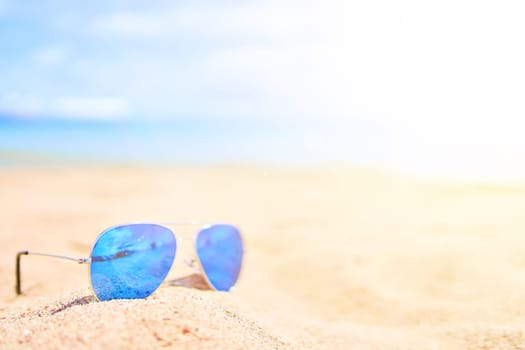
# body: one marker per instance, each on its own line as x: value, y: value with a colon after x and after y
x: 432, y: 89
x: 309, y: 124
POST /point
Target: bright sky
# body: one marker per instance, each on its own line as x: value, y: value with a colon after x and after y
x: 443, y: 81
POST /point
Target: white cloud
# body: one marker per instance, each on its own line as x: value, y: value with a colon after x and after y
x: 27, y: 106
x: 13, y: 103
x: 254, y: 20
x: 131, y: 24
x: 50, y: 55
x: 90, y: 107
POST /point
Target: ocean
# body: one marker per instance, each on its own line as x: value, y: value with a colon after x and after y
x: 44, y: 141
x: 473, y: 151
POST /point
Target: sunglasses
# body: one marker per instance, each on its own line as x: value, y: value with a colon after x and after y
x: 131, y: 261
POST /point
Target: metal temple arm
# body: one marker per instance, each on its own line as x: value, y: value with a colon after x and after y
x: 25, y: 252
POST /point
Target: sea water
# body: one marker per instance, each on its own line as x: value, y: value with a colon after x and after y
x: 486, y: 152
x: 40, y: 141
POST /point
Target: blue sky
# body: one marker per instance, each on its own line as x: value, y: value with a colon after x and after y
x: 168, y: 59
x: 442, y: 82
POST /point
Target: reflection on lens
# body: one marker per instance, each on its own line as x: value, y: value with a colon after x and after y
x: 220, y: 251
x: 131, y: 261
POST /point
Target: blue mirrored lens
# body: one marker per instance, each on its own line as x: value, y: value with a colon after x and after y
x: 131, y: 261
x: 220, y: 251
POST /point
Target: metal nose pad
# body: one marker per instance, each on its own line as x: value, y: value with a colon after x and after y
x: 192, y: 264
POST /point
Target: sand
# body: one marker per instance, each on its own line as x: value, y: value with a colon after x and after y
x: 337, y: 258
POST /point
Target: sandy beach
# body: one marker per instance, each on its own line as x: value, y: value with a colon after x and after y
x: 336, y: 258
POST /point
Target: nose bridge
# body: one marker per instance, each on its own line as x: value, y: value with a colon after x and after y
x: 186, y: 257
x: 188, y: 253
